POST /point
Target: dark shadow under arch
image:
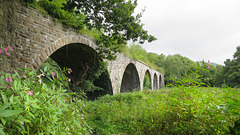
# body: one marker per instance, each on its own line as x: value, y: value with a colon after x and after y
x: 130, y: 79
x: 155, y: 82
x: 84, y: 62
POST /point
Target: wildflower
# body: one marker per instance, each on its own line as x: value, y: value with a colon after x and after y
x: 30, y: 93
x: 69, y: 79
x: 53, y: 102
x: 208, y: 62
x: 188, y: 98
x: 211, y: 111
x: 5, y: 49
x: 64, y: 101
x: 10, y: 79
x: 69, y: 70
x: 189, y: 82
x: 53, y: 74
x: 22, y: 122
x: 57, y: 104
x: 208, y: 66
x: 83, y: 105
x: 40, y: 81
x: 11, y: 48
x: 82, y: 116
x: 0, y: 50
x: 8, y: 53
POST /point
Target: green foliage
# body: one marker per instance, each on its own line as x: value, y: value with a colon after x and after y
x: 138, y: 53
x: 231, y: 70
x: 186, y: 109
x: 28, y: 107
x: 56, y: 9
x: 113, y: 20
x: 147, y: 82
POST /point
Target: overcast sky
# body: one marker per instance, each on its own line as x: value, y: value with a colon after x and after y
x: 197, y: 29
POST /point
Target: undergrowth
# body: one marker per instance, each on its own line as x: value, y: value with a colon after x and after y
x: 167, y: 111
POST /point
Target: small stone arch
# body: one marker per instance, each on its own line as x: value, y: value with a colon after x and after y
x: 155, y: 82
x: 147, y: 82
x: 160, y: 81
x: 130, y: 79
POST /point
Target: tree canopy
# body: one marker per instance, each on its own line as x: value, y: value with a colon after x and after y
x: 113, y: 21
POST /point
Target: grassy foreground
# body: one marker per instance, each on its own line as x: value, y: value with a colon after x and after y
x: 186, y: 110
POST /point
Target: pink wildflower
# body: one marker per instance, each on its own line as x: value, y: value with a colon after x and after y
x: 208, y: 66
x: 5, y: 49
x: 22, y: 122
x: 69, y: 70
x: 0, y: 50
x: 11, y: 48
x: 83, y: 105
x: 189, y: 82
x: 7, y: 79
x: 69, y: 79
x: 8, y: 53
x: 30, y: 93
x: 10, y: 79
x: 188, y: 98
x: 53, y: 74
x: 211, y: 111
x: 40, y: 81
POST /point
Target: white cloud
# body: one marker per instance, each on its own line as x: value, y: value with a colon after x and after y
x: 198, y: 29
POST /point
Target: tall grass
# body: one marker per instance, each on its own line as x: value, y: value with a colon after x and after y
x: 167, y: 111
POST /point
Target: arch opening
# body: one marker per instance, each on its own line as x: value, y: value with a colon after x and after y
x: 147, y: 83
x: 160, y: 81
x: 155, y: 82
x: 89, y: 72
x: 130, y: 79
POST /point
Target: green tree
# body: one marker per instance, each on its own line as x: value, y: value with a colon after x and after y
x: 231, y: 70
x: 114, y: 19
x: 175, y: 67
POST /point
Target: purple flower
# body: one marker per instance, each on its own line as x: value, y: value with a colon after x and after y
x: 11, y: 48
x: 188, y: 98
x: 10, y: 79
x: 53, y: 74
x: 40, y: 81
x: 5, y: 49
x: 30, y: 93
x: 0, y: 50
x: 69, y: 70
x: 8, y: 53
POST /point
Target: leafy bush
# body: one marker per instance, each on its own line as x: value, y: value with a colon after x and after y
x: 30, y: 106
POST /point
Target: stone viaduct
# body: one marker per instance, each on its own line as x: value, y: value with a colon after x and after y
x: 35, y: 36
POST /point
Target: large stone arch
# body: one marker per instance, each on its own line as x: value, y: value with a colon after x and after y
x: 155, y: 82
x: 79, y: 54
x: 130, y: 79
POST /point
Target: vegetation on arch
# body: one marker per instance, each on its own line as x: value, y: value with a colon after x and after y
x: 112, y: 21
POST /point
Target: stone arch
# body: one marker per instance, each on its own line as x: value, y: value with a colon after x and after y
x: 147, y: 82
x: 155, y: 82
x: 160, y: 81
x: 130, y: 79
x: 79, y: 54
